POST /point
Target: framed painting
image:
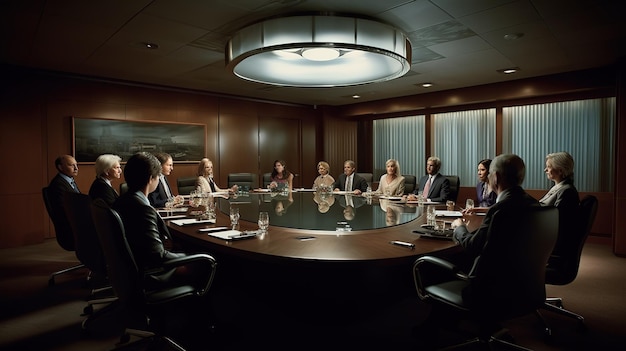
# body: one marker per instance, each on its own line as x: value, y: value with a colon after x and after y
x: 185, y: 142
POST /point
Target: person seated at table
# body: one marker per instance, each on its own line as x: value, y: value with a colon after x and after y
x: 506, y: 174
x: 349, y: 181
x: 485, y: 196
x: 205, y: 182
x: 324, y: 178
x: 163, y: 193
x: 392, y: 182
x: 281, y: 178
x: 145, y: 230
x: 107, y: 168
x: 434, y: 187
x: 563, y: 195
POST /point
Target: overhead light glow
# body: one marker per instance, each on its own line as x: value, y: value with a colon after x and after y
x: 318, y: 51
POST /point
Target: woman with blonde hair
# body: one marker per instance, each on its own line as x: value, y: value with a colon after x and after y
x: 324, y: 178
x: 205, y: 182
x: 391, y: 183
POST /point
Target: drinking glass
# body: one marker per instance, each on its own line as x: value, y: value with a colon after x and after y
x: 430, y: 215
x: 264, y: 221
x: 234, y: 216
x: 469, y: 204
x: 450, y: 205
x: 169, y: 206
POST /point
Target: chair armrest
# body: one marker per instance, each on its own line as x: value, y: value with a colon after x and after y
x: 440, y: 264
x: 194, y: 259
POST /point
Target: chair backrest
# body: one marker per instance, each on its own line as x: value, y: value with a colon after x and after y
x: 186, y: 185
x: 62, y: 227
x: 410, y: 183
x: 88, y: 250
x: 508, y: 279
x: 455, y: 184
x: 243, y: 179
x: 123, y: 188
x: 369, y: 177
x: 267, y: 179
x: 563, y: 269
x: 121, y: 266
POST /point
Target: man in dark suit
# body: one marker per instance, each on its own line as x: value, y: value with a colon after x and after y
x: 433, y: 186
x: 350, y: 181
x: 145, y: 230
x: 506, y: 175
x: 63, y: 182
x: 159, y: 197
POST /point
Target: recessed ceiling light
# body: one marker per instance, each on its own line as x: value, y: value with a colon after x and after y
x: 508, y: 70
x: 427, y: 85
x: 356, y: 96
x: 513, y: 36
x: 152, y: 46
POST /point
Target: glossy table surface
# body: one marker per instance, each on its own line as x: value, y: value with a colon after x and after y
x: 303, y: 228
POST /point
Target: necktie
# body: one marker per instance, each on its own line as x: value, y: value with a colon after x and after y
x: 74, y: 186
x: 166, y: 187
x: 349, y: 183
x: 427, y: 187
x: 212, y: 184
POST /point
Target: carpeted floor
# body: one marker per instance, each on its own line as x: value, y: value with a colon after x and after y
x: 35, y: 316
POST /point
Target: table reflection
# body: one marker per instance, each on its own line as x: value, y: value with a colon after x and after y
x: 322, y: 211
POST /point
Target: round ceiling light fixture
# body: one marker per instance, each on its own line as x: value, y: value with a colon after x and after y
x: 318, y: 51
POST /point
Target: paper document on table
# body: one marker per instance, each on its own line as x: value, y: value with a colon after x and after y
x: 189, y: 221
x: 442, y: 213
x: 172, y: 217
x: 175, y: 209
x: 233, y: 234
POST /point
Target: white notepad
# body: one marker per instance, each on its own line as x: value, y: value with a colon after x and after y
x: 189, y: 221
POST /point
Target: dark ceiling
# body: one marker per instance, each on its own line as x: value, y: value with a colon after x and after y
x: 456, y: 43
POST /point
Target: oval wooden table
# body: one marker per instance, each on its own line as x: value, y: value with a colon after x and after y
x: 305, y: 272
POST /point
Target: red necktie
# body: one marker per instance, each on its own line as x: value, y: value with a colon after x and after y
x: 427, y: 187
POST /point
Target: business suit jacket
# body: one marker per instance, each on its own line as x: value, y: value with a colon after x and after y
x: 158, y: 197
x: 358, y: 182
x: 439, y: 189
x: 473, y: 242
x: 100, y: 189
x: 486, y: 201
x: 566, y: 199
x: 145, y: 230
x: 57, y: 187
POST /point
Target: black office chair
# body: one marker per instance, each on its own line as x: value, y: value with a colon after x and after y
x: 563, y: 269
x: 410, y: 184
x: 267, y: 179
x: 243, y: 179
x: 63, y: 231
x: 186, y: 185
x: 144, y: 307
x: 455, y: 184
x: 88, y: 251
x: 506, y: 281
x: 369, y: 177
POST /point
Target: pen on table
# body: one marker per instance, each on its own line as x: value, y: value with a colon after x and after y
x: 402, y: 243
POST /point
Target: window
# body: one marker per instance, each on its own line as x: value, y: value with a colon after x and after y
x: 462, y: 139
x: 584, y: 128
x: 402, y: 139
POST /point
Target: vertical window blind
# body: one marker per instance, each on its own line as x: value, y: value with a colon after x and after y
x: 402, y: 139
x: 584, y: 128
x: 462, y: 139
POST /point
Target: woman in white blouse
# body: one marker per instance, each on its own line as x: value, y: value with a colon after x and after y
x: 205, y: 181
x: 324, y: 178
x: 391, y: 183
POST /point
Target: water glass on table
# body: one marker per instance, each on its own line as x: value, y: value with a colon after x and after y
x: 234, y: 217
x: 469, y: 205
x: 264, y: 221
x: 450, y: 205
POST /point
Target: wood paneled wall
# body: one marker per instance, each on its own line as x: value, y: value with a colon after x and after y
x: 35, y: 117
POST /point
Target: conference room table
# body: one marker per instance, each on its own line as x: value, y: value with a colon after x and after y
x: 323, y: 256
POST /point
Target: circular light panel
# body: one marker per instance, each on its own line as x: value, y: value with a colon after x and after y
x: 364, y: 51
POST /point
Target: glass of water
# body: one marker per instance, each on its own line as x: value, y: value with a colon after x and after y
x: 264, y: 221
x: 234, y: 217
x: 469, y: 204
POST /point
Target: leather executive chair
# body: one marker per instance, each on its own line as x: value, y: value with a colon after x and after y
x: 186, y: 185
x: 144, y: 308
x: 64, y: 235
x: 243, y: 179
x: 563, y: 269
x: 505, y: 282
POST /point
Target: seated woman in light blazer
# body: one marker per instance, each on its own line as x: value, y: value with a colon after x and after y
x: 391, y: 183
x: 205, y: 182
